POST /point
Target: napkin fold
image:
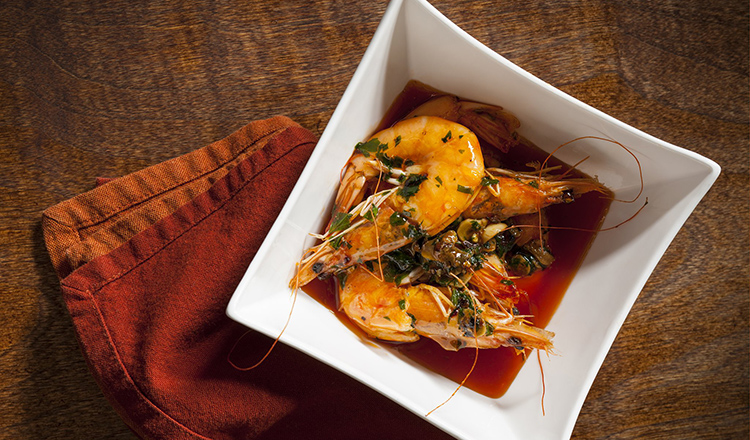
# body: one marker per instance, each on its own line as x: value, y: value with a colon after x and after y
x: 147, y: 264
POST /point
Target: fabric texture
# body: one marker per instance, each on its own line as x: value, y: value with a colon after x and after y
x: 148, y: 263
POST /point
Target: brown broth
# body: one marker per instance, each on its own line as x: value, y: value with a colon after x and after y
x: 496, y: 368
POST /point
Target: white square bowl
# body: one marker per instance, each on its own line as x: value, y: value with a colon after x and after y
x: 414, y: 41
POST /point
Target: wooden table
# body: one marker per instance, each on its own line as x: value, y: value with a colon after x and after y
x: 106, y: 88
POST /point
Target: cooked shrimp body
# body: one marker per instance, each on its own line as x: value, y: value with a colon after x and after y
x: 445, y: 154
x: 435, y: 167
x: 490, y: 122
x: 516, y: 194
x: 404, y: 314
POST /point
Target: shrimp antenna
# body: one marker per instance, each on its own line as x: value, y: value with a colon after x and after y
x: 640, y: 191
x: 571, y: 228
x: 544, y: 386
x: 640, y: 168
x: 275, y: 341
x: 476, y: 352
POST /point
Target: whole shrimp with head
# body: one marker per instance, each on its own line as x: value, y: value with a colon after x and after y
x: 453, y: 316
x: 410, y: 180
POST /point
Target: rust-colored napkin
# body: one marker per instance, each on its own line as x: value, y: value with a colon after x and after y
x: 147, y: 264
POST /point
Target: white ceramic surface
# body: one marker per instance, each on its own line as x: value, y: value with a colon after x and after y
x: 414, y: 41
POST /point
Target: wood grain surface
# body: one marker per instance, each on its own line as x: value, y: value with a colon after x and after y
x: 93, y: 89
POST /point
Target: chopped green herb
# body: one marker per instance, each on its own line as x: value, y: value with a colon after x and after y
x: 490, y: 329
x: 336, y: 242
x: 447, y: 137
x: 390, y: 162
x: 371, y: 213
x: 401, y: 259
x: 487, y: 181
x: 464, y: 189
x: 387, y: 317
x: 340, y: 221
x: 397, y: 219
x: 507, y: 282
x: 414, y: 232
x: 341, y: 276
x: 397, y: 141
x: 411, y: 185
x: 461, y: 151
x: 439, y: 180
x: 372, y: 146
x: 413, y: 318
x: 402, y: 304
x: 461, y: 300
x: 534, y: 184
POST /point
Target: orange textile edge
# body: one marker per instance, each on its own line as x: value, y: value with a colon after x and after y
x: 83, y: 229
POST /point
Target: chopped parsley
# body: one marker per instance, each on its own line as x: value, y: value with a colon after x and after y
x: 490, y: 329
x: 373, y: 146
x: 487, y: 181
x: 464, y: 189
x: 336, y: 242
x: 413, y: 319
x: 415, y: 232
x: 390, y: 162
x: 461, y: 300
x: 340, y: 222
x: 341, y: 277
x: 397, y: 219
x: 371, y: 213
x: 447, y: 137
x: 411, y: 185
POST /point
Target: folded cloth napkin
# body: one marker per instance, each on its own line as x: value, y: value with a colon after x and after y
x: 147, y: 264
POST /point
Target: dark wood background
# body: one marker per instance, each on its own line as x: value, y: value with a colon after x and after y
x: 93, y: 88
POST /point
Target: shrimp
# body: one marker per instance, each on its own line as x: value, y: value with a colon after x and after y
x: 453, y: 317
x: 436, y: 167
x: 490, y: 122
x: 512, y: 194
